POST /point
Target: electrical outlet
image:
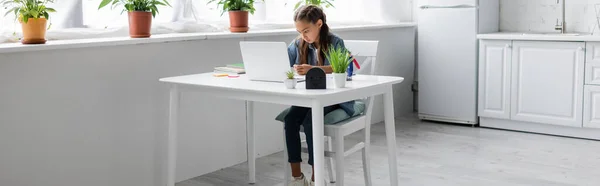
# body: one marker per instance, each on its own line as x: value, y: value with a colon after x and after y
x: 415, y: 86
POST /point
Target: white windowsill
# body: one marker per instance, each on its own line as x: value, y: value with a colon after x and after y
x: 163, y: 38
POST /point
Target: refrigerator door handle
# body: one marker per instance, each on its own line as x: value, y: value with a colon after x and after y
x: 453, y: 6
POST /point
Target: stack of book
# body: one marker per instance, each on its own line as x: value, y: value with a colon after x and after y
x: 237, y: 68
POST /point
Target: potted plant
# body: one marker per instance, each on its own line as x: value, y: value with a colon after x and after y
x: 33, y: 16
x: 319, y: 3
x: 339, y: 59
x: 290, y: 81
x: 140, y: 13
x: 238, y: 13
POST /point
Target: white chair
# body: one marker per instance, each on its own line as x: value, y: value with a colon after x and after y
x: 364, y: 48
x: 335, y: 133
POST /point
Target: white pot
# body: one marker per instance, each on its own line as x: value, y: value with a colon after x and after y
x: 339, y: 80
x: 290, y: 83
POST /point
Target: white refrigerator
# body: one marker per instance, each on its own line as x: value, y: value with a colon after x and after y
x: 447, y: 56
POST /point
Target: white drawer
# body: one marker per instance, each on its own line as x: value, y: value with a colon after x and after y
x: 591, y: 107
x: 592, y: 52
x: 592, y: 73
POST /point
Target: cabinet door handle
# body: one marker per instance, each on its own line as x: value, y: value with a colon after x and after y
x: 581, y: 48
x: 508, y: 46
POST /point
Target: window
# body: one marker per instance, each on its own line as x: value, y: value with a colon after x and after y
x: 84, y: 14
x: 7, y: 23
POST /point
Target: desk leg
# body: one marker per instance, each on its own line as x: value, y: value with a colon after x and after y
x: 318, y: 143
x: 250, y: 142
x: 172, y: 144
x: 390, y: 132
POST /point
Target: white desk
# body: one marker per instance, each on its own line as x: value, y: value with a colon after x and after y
x: 252, y: 91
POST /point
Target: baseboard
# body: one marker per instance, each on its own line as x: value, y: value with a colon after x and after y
x: 445, y: 119
x: 549, y: 129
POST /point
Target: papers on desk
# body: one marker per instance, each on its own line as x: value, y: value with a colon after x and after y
x: 237, y: 68
x: 237, y: 65
x: 230, y: 70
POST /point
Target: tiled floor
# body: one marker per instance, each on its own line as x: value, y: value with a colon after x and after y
x: 434, y: 154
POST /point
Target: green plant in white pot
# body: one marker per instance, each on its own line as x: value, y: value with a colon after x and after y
x: 290, y: 81
x: 339, y: 59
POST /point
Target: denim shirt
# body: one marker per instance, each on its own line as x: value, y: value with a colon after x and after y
x: 294, y: 53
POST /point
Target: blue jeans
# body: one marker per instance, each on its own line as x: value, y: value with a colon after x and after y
x: 296, y: 117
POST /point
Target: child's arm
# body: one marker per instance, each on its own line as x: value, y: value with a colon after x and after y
x: 303, y: 69
x: 292, y: 53
x: 327, y: 69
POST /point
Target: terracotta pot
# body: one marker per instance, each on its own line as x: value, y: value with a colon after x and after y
x: 238, y: 21
x: 140, y: 24
x: 34, y: 31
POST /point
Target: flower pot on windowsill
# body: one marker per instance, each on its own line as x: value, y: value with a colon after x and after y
x: 34, y: 31
x: 339, y: 80
x: 238, y: 21
x: 140, y: 23
x: 290, y: 83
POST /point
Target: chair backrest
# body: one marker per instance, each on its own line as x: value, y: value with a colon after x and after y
x: 364, y: 48
x: 368, y: 49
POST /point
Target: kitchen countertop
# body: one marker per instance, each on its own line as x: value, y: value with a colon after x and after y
x: 538, y: 36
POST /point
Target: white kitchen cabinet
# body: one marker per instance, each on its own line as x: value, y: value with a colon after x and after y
x: 592, y: 66
x: 591, y: 108
x: 547, y: 82
x: 592, y: 52
x: 494, y: 79
x: 592, y: 73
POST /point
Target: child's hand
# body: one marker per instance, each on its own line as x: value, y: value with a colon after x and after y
x: 302, y: 69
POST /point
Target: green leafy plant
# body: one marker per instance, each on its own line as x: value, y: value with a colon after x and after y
x: 136, y: 5
x: 235, y: 5
x: 25, y: 9
x: 339, y: 58
x: 320, y: 3
x: 290, y: 74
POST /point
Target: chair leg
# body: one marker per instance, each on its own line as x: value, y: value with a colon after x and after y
x: 367, y: 163
x: 287, y: 169
x: 339, y: 158
x: 330, y: 160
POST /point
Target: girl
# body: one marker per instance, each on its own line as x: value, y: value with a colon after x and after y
x: 306, y: 52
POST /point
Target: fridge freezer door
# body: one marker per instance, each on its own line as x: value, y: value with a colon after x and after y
x: 447, y: 64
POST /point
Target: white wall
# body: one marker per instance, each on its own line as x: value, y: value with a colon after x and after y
x: 97, y: 116
x: 396, y: 10
x: 541, y: 15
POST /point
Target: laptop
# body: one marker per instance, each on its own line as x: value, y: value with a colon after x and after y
x: 266, y: 61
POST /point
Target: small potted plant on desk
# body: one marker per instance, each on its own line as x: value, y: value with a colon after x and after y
x: 290, y: 81
x: 140, y: 13
x: 238, y: 13
x: 33, y: 16
x: 340, y: 59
